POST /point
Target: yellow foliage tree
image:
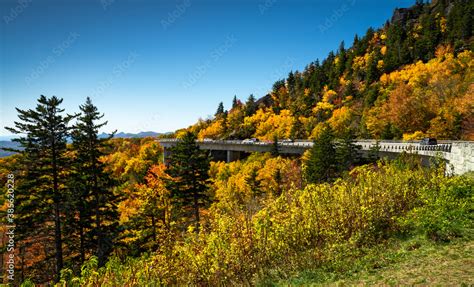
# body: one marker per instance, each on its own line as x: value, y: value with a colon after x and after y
x: 340, y: 120
x: 214, y: 131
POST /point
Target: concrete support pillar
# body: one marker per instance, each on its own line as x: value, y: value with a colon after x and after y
x: 166, y: 155
x: 233, y: 155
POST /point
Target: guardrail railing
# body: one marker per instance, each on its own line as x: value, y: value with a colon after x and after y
x: 388, y: 146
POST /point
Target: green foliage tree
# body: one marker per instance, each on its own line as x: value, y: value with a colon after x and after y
x: 93, y: 201
x: 189, y: 166
x: 321, y: 163
x: 250, y: 106
x: 374, y: 152
x: 347, y: 153
x: 220, y: 109
x: 235, y: 102
x: 275, y: 146
x: 291, y: 84
x: 45, y: 162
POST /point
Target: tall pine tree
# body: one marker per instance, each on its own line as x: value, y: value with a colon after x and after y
x: 235, y: 102
x: 250, y: 106
x: 347, y: 152
x: 321, y: 164
x: 94, y: 200
x: 44, y: 154
x: 189, y: 166
x: 220, y: 109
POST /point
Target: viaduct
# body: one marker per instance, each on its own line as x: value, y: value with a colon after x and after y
x: 459, y: 155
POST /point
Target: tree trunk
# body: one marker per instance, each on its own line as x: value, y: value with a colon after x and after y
x: 100, y: 251
x: 81, y: 235
x: 196, y: 210
x: 57, y: 219
x: 153, y: 227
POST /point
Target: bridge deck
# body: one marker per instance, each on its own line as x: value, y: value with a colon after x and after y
x: 460, y: 154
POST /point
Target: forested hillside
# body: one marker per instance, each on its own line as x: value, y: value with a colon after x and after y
x: 411, y: 78
x: 94, y: 210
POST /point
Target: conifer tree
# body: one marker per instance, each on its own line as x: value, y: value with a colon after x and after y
x: 321, y: 164
x: 250, y: 106
x: 220, y: 109
x: 275, y: 151
x: 44, y: 159
x: 189, y: 166
x: 347, y: 153
x: 94, y: 200
x: 235, y: 102
x: 374, y: 152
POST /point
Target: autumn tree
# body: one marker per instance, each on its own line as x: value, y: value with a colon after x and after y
x: 189, y: 166
x: 148, y: 212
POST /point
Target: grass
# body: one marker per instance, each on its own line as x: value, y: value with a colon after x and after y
x: 406, y: 262
x: 435, y: 248
x: 451, y: 264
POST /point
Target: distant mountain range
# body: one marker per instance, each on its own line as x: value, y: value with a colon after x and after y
x: 7, y: 144
x: 131, y: 135
x: 5, y: 141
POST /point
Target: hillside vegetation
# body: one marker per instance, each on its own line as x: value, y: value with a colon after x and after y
x: 375, y: 217
x: 102, y: 211
x: 409, y: 79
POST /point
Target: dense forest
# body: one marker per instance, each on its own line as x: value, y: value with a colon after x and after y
x: 103, y: 211
x: 419, y: 63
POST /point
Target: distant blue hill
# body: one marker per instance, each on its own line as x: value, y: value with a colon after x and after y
x: 5, y: 141
x: 131, y: 135
x: 7, y: 144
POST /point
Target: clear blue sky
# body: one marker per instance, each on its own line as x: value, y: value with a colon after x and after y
x: 160, y: 65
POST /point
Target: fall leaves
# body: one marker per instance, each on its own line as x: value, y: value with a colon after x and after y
x: 434, y: 98
x: 421, y: 99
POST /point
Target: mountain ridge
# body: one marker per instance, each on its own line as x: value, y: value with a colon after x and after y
x: 421, y: 59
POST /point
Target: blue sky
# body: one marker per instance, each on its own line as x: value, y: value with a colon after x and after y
x: 160, y: 65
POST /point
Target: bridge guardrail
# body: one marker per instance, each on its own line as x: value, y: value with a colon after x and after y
x: 389, y: 146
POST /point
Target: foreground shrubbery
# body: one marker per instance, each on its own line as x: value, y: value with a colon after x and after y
x: 302, y: 229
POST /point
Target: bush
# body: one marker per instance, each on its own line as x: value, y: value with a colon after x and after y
x: 446, y: 211
x: 320, y: 225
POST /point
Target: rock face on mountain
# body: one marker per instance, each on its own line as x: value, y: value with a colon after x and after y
x: 400, y: 15
x: 265, y: 101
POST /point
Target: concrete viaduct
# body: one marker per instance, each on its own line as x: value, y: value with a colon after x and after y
x: 458, y: 154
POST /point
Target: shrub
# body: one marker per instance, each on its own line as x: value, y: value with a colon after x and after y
x: 301, y: 229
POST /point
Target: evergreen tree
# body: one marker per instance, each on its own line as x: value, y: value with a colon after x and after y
x: 275, y: 148
x: 291, y: 84
x: 278, y: 85
x: 372, y: 73
x: 297, y: 130
x: 278, y: 177
x: 235, y: 102
x: 189, y: 166
x: 94, y: 200
x: 45, y: 162
x: 220, y: 109
x: 374, y: 152
x: 347, y: 153
x: 342, y: 55
x: 250, y: 106
x: 321, y: 164
x: 253, y: 182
